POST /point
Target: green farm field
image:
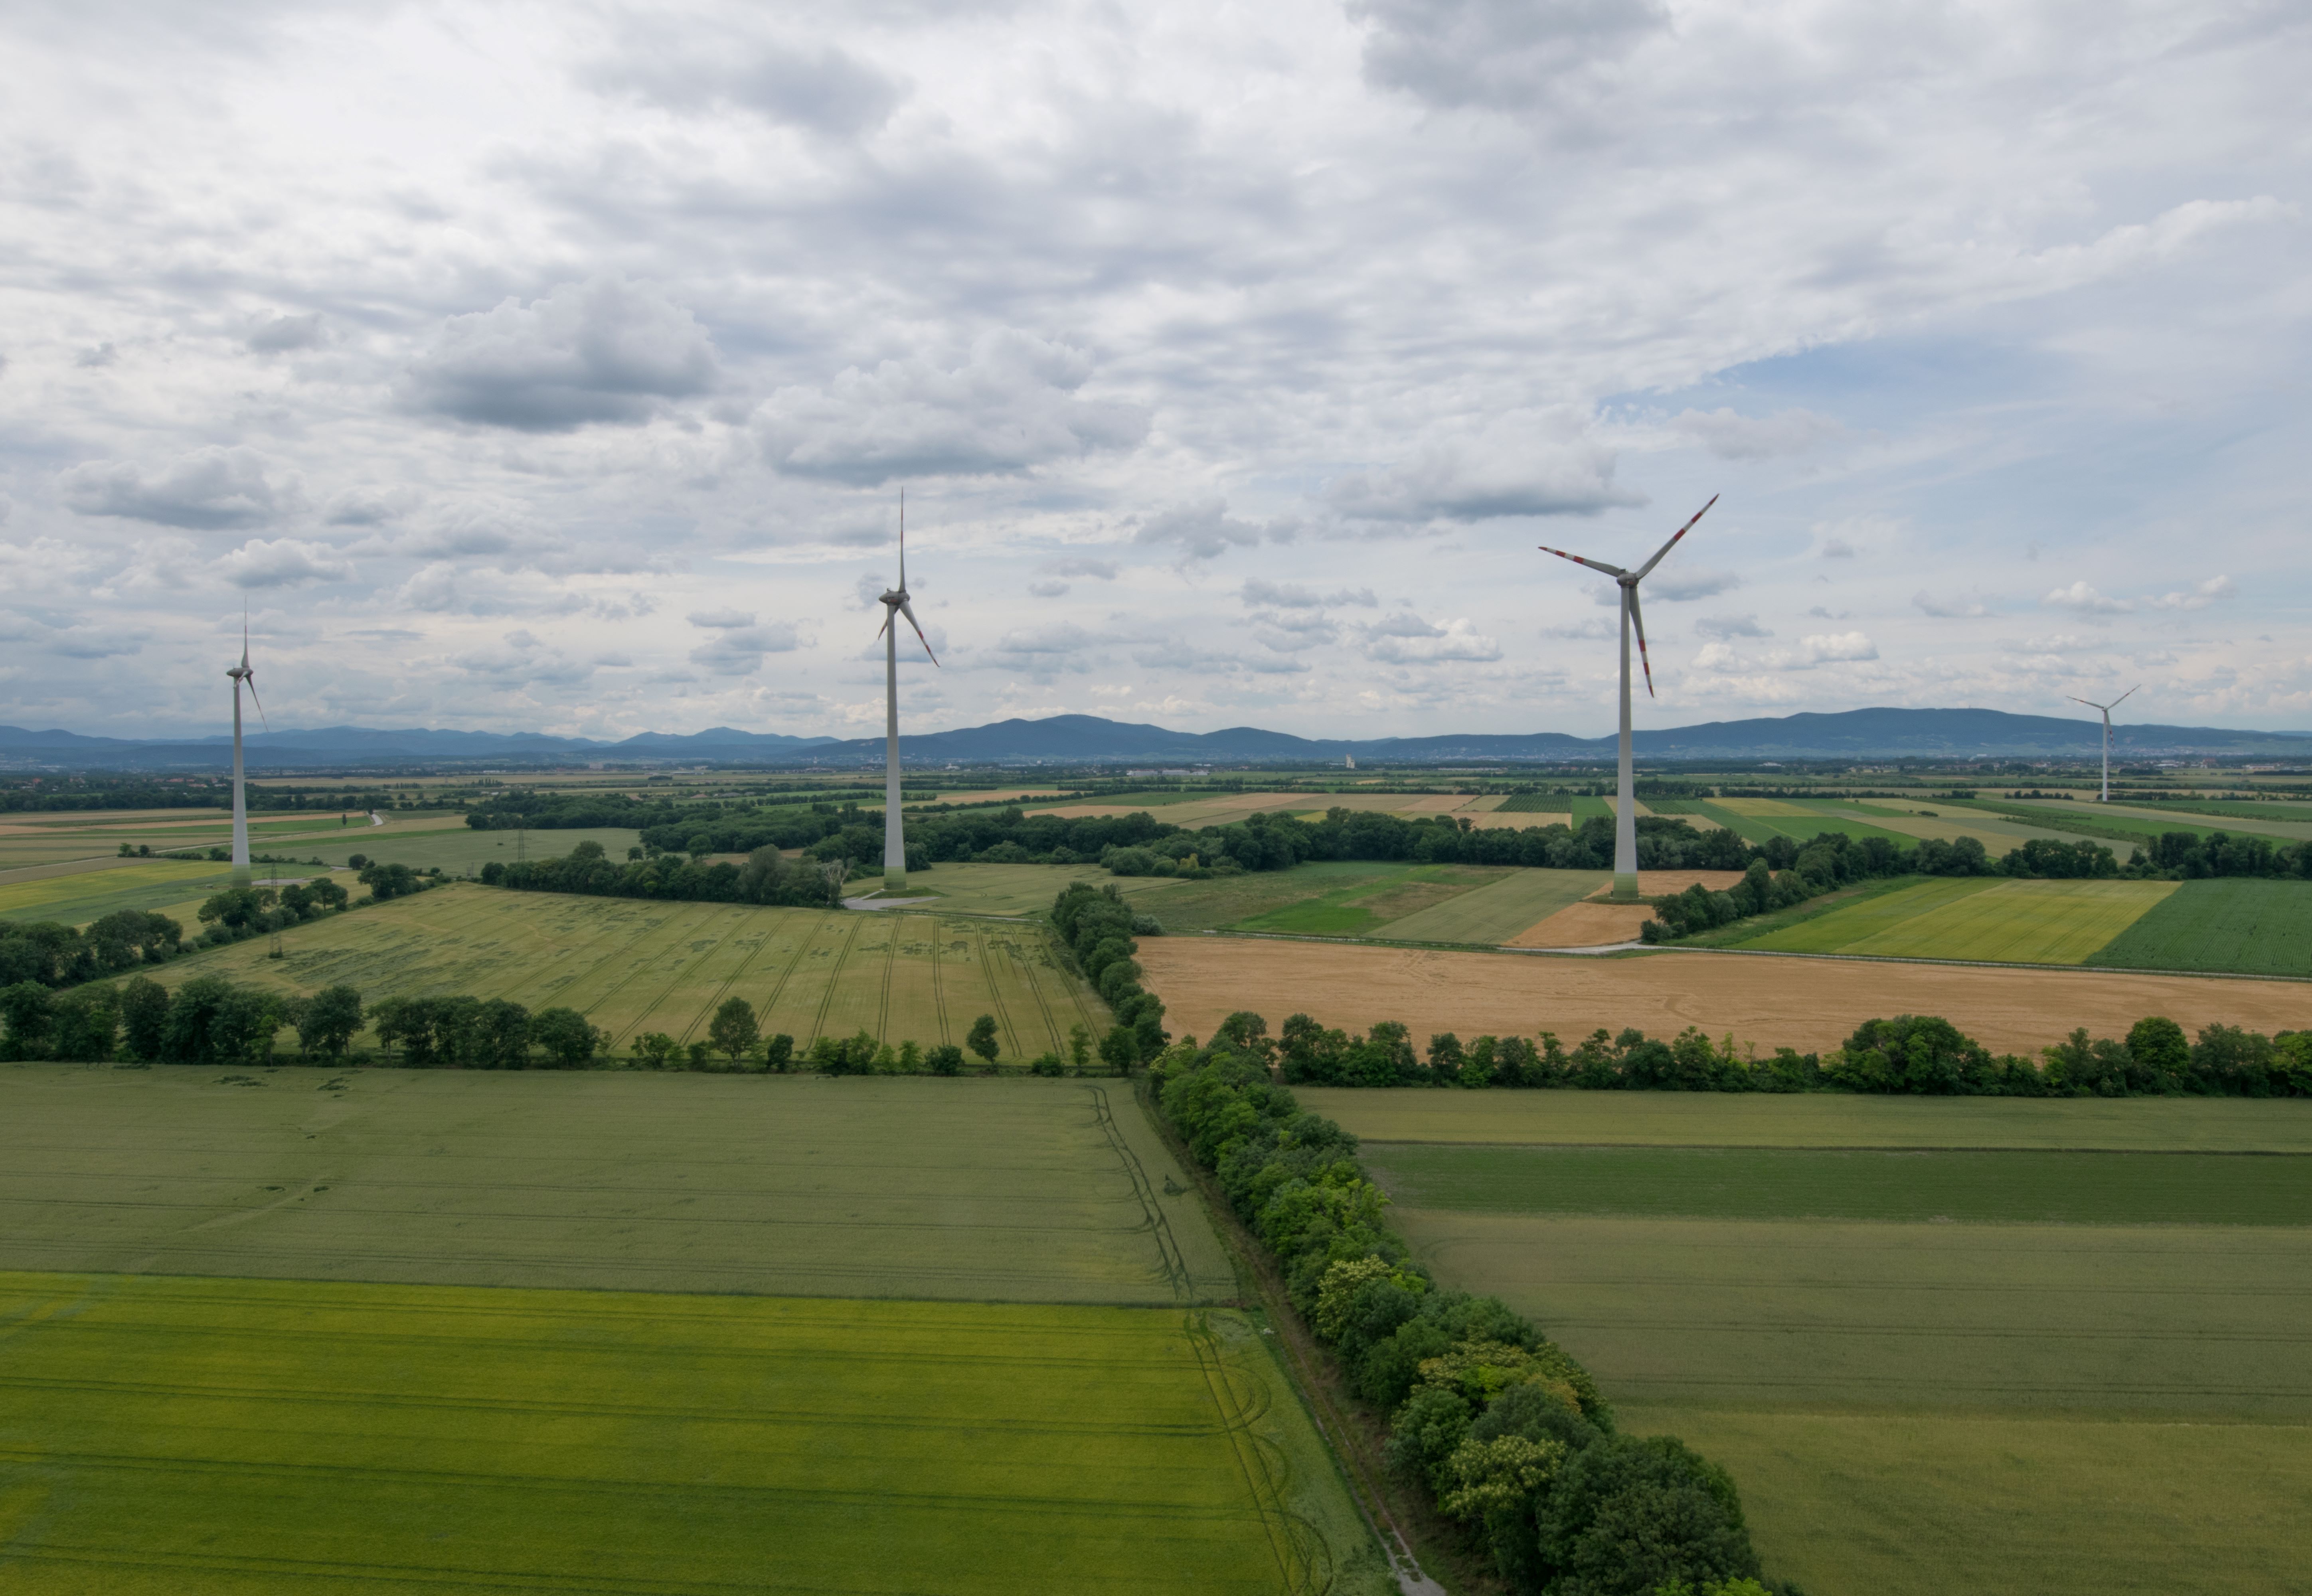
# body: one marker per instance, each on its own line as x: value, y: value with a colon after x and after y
x: 1815, y: 1120
x: 146, y: 884
x: 1480, y: 905
x: 45, y: 840
x: 1008, y: 1190
x: 2254, y: 928
x: 166, y: 1435
x: 1961, y: 1185
x: 2017, y: 922
x: 636, y: 965
x: 1493, y: 914
x: 451, y: 846
x: 1020, y: 890
x: 1923, y: 1386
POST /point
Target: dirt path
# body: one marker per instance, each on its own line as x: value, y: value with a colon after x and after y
x: 1808, y: 1003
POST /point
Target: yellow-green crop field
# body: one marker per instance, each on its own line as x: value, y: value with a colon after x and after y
x: 163, y: 1435
x: 635, y: 965
x: 1951, y: 1393
x: 1012, y: 1189
x: 159, y: 884
x: 49, y: 838
x: 297, y: 1329
x: 2015, y: 922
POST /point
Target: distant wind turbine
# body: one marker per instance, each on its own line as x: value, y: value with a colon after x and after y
x: 243, y: 675
x: 895, y: 605
x: 2106, y: 709
x: 1626, y: 813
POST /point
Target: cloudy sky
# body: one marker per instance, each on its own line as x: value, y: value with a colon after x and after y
x: 559, y: 367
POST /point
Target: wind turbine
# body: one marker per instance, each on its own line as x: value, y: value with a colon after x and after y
x: 2106, y: 709
x: 895, y: 604
x: 243, y: 675
x: 1626, y: 811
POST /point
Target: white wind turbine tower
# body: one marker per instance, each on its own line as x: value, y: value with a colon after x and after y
x: 1626, y: 811
x: 2106, y: 709
x: 243, y: 675
x: 895, y: 604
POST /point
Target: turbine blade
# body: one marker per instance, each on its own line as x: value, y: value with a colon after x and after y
x: 2076, y: 700
x: 903, y: 540
x: 909, y: 610
x: 1577, y: 559
x: 253, y: 699
x: 887, y: 622
x: 2123, y: 698
x: 1638, y: 619
x: 1674, y: 536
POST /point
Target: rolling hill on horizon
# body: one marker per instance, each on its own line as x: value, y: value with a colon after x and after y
x: 1080, y: 739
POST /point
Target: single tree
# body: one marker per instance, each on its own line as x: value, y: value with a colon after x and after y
x: 28, y: 1010
x: 329, y: 1020
x: 1079, y: 1050
x: 981, y: 1038
x: 144, y: 1010
x: 1119, y: 1049
x: 734, y: 1029
x: 566, y: 1037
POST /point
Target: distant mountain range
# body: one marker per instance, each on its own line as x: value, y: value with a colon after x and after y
x: 1088, y: 740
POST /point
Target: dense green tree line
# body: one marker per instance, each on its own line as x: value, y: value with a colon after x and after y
x: 1911, y: 1054
x: 48, y: 954
x: 764, y: 878
x: 50, y: 794
x: 1097, y: 929
x: 1507, y: 1433
x: 207, y: 1021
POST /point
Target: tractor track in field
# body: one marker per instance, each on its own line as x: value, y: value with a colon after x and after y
x: 706, y: 1014
x: 676, y: 979
x: 1303, y: 1561
x: 939, y: 989
x: 834, y: 975
x: 1144, y: 1191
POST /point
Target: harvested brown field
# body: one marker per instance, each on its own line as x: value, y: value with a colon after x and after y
x: 1585, y: 926
x: 1809, y: 1003
x: 1661, y: 883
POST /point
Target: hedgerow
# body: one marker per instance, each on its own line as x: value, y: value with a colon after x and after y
x: 1497, y: 1424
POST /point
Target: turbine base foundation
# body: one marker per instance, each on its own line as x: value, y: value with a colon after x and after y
x: 1626, y: 887
x: 894, y: 881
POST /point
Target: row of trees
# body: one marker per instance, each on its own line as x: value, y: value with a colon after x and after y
x: 765, y: 877
x: 247, y: 911
x: 1504, y: 1430
x: 1097, y: 927
x: 48, y: 954
x: 1911, y: 1054
x: 207, y: 1021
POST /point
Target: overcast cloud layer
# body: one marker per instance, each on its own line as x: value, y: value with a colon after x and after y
x: 559, y: 367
